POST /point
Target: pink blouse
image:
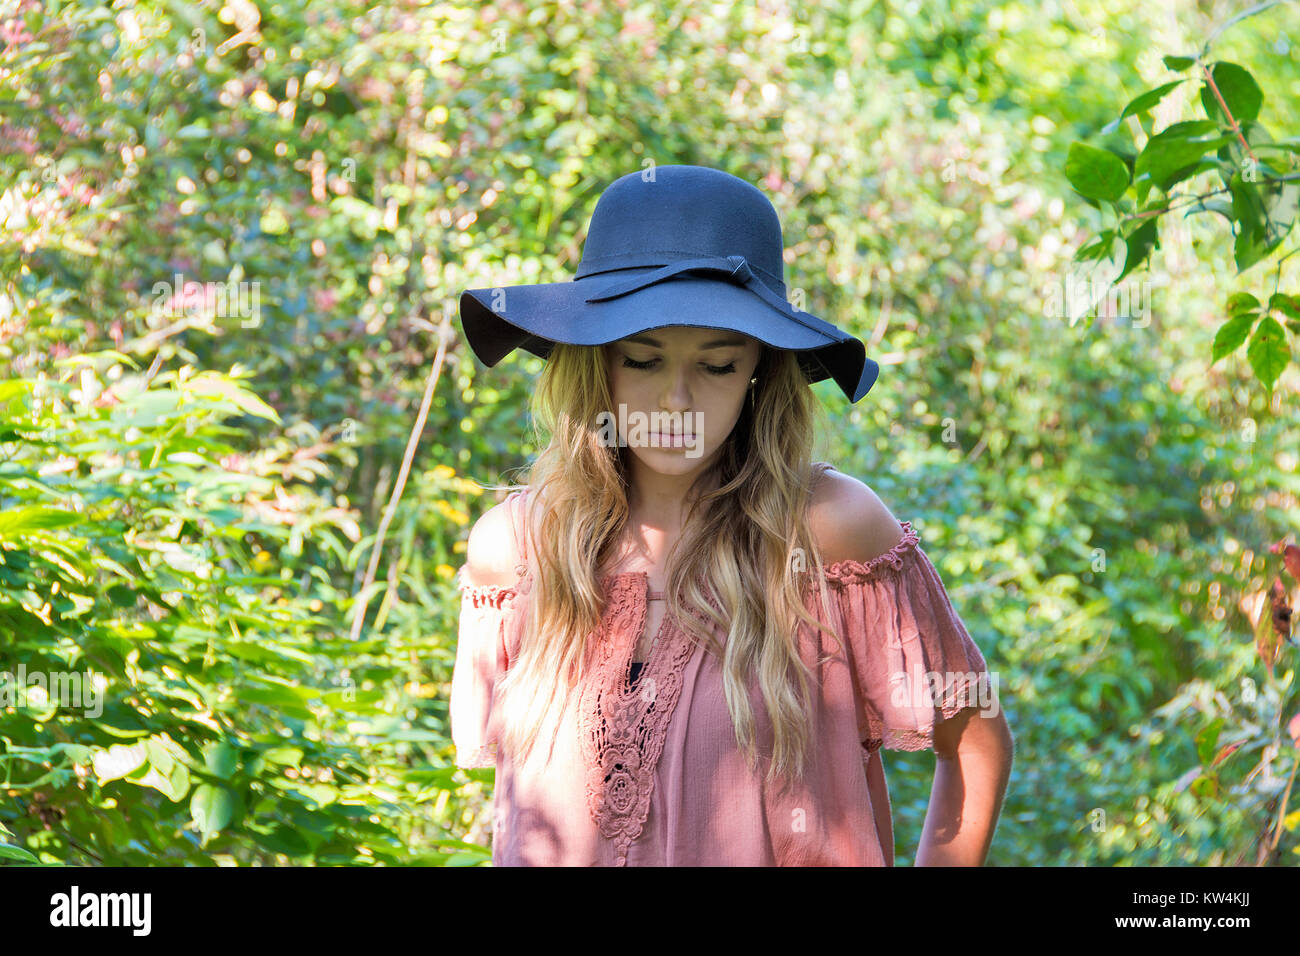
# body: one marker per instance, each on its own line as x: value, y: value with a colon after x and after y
x: 650, y: 774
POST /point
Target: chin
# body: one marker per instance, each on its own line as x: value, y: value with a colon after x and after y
x: 672, y: 461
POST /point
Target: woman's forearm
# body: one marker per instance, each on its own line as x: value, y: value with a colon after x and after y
x: 966, y: 797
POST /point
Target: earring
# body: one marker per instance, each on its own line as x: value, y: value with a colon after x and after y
x: 751, y: 394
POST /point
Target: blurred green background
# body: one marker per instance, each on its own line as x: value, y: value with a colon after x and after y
x: 231, y: 242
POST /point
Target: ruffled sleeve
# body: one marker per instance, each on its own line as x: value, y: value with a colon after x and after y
x: 912, y: 661
x: 487, y: 615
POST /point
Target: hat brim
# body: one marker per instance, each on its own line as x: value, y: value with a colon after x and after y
x: 535, y: 317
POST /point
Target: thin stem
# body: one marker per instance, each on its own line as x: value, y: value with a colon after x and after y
x: 1236, y: 128
x: 411, y: 444
x: 1281, y: 810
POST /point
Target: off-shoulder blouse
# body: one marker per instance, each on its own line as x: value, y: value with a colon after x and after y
x: 648, y: 773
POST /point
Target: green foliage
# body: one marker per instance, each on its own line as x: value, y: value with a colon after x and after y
x: 198, y: 706
x: 190, y: 486
x: 1231, y: 146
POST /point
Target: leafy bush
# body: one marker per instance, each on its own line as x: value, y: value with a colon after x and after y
x: 190, y: 491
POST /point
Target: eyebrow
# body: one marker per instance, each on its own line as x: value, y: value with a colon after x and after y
x: 655, y: 343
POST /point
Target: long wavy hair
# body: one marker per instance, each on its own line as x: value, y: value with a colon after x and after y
x: 746, y: 537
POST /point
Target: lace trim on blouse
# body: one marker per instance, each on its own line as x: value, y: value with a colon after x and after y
x: 957, y: 695
x: 846, y: 572
x: 623, y: 725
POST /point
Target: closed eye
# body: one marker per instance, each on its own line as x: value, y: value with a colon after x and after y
x: 711, y: 369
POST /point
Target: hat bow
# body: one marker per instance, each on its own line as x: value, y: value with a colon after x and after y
x: 735, y: 268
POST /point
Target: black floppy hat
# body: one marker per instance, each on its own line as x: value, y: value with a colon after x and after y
x: 670, y: 245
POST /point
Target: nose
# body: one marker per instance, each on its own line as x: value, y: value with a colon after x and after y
x: 676, y: 396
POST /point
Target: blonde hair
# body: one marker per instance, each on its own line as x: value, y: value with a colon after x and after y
x: 742, y: 534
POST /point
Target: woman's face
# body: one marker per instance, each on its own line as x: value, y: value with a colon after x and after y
x: 678, y: 392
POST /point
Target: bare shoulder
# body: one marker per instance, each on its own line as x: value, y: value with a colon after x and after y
x: 849, y: 521
x: 491, y: 555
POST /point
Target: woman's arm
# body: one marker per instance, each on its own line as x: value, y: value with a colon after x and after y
x: 849, y: 521
x: 973, y: 756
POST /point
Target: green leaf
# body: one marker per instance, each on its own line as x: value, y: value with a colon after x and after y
x: 1096, y: 173
x: 118, y: 761
x: 1286, y: 304
x: 122, y: 722
x: 465, y: 859
x: 1140, y: 243
x: 77, y: 753
x: 285, y: 756
x: 121, y: 596
x: 12, y: 388
x: 146, y: 409
x: 1238, y: 89
x: 173, y: 785
x: 159, y: 758
x: 282, y: 839
x: 1281, y: 207
x: 221, y: 759
x: 1248, y: 211
x: 1178, y: 62
x: 1257, y: 137
x: 188, y: 458
x: 277, y: 699
x: 10, y: 852
x: 1207, y: 738
x: 1264, y: 218
x: 219, y: 386
x: 1268, y: 351
x: 1144, y: 102
x: 322, y: 793
x: 1174, y: 153
x: 1240, y: 302
x: 1186, y: 128
x: 1097, y: 248
x: 1231, y: 334
x: 212, y: 809
x: 17, y: 521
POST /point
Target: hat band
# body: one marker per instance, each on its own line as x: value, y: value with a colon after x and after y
x: 642, y: 258
x: 736, y: 270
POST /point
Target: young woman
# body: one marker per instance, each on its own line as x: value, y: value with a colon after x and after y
x: 684, y: 642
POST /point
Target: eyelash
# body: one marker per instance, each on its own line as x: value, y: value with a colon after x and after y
x: 713, y: 370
